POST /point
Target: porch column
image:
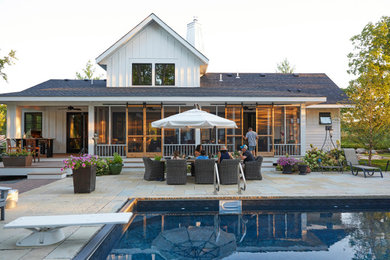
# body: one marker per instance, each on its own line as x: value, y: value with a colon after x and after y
x: 91, y: 129
x: 303, y: 129
x: 197, y: 136
x: 14, y: 121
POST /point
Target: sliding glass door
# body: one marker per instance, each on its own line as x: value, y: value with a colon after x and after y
x: 142, y: 138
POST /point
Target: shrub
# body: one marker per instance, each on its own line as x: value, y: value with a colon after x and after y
x: 314, y: 157
x: 117, y: 159
x: 23, y: 152
x: 83, y: 161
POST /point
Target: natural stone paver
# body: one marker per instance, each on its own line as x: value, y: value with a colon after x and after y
x: 112, y: 191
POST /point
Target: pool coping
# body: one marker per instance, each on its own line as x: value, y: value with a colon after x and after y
x: 97, y: 239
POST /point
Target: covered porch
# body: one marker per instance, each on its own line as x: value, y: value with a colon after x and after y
x: 105, y: 129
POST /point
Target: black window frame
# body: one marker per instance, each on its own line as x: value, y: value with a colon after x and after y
x: 34, y: 123
x: 163, y: 81
x: 141, y: 82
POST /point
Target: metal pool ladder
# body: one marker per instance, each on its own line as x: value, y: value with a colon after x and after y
x: 217, y: 182
x: 230, y: 207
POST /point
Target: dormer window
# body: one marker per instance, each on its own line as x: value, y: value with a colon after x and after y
x: 165, y: 74
x: 142, y: 74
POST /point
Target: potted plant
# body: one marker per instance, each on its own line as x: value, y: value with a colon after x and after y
x: 84, y: 172
x: 287, y: 163
x: 302, y: 167
x: 115, y: 164
x: 14, y: 159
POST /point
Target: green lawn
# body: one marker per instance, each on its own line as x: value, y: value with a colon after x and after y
x: 380, y: 163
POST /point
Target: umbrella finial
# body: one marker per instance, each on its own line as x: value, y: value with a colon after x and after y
x: 197, y: 106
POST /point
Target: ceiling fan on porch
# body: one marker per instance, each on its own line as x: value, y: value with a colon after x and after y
x: 70, y: 108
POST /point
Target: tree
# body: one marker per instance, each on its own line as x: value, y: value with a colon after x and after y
x: 6, y: 60
x: 368, y: 120
x: 285, y: 67
x: 88, y: 72
x: 3, y: 119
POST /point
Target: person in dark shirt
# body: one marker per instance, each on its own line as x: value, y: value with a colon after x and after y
x: 224, y: 154
x: 246, y: 156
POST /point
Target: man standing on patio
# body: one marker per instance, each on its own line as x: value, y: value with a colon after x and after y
x: 251, y: 136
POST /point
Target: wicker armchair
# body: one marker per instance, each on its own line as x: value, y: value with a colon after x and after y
x: 154, y: 170
x: 228, y: 171
x: 176, y: 172
x: 204, y: 171
x: 252, y: 169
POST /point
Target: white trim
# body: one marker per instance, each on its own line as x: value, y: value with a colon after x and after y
x: 138, y: 28
x: 169, y: 99
x: 330, y: 106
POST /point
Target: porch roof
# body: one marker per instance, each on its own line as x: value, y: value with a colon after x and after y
x: 316, y: 88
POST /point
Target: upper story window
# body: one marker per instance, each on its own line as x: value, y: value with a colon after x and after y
x: 165, y: 74
x: 142, y: 73
x: 33, y: 124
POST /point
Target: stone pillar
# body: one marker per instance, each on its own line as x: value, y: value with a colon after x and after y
x: 91, y: 129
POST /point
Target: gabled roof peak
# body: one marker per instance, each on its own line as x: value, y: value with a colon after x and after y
x: 139, y: 27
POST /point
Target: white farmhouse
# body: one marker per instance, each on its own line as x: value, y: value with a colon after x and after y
x: 152, y: 72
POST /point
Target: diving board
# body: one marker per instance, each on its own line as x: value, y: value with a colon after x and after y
x: 47, y: 230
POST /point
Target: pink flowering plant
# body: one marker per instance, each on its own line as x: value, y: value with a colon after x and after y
x: 283, y: 161
x: 74, y: 162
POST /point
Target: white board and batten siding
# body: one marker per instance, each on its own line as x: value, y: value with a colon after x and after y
x: 153, y: 45
x: 55, y: 127
x: 315, y: 133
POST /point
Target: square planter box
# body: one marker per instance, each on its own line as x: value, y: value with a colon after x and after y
x: 84, y: 179
x: 17, y: 161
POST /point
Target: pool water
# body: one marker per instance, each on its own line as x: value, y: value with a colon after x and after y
x: 339, y: 230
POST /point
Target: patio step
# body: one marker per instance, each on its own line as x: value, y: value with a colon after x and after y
x: 45, y: 175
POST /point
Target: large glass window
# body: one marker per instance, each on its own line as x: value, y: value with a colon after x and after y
x: 33, y: 124
x: 187, y: 136
x: 293, y: 125
x: 171, y: 136
x: 208, y: 136
x: 101, y: 124
x: 118, y: 124
x: 165, y: 74
x: 142, y: 73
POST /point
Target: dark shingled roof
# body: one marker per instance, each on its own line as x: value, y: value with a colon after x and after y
x: 248, y: 85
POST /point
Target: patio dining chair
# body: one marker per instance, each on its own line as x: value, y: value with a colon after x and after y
x: 10, y: 148
x: 228, y: 171
x: 204, y: 171
x: 352, y: 160
x: 31, y: 147
x: 252, y: 169
x: 176, y: 172
x: 154, y: 170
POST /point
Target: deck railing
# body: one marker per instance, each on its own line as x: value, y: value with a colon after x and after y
x: 108, y: 150
x: 184, y: 149
x: 290, y: 149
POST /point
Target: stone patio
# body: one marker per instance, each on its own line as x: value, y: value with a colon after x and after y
x: 112, y: 192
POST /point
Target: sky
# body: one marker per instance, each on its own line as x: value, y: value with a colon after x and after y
x: 55, y: 39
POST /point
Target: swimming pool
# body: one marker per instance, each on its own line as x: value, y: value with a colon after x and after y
x: 265, y: 229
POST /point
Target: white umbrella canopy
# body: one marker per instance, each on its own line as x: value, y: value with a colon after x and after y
x: 194, y: 118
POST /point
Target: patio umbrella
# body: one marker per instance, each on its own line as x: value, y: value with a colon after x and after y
x: 194, y: 118
x: 195, y: 243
